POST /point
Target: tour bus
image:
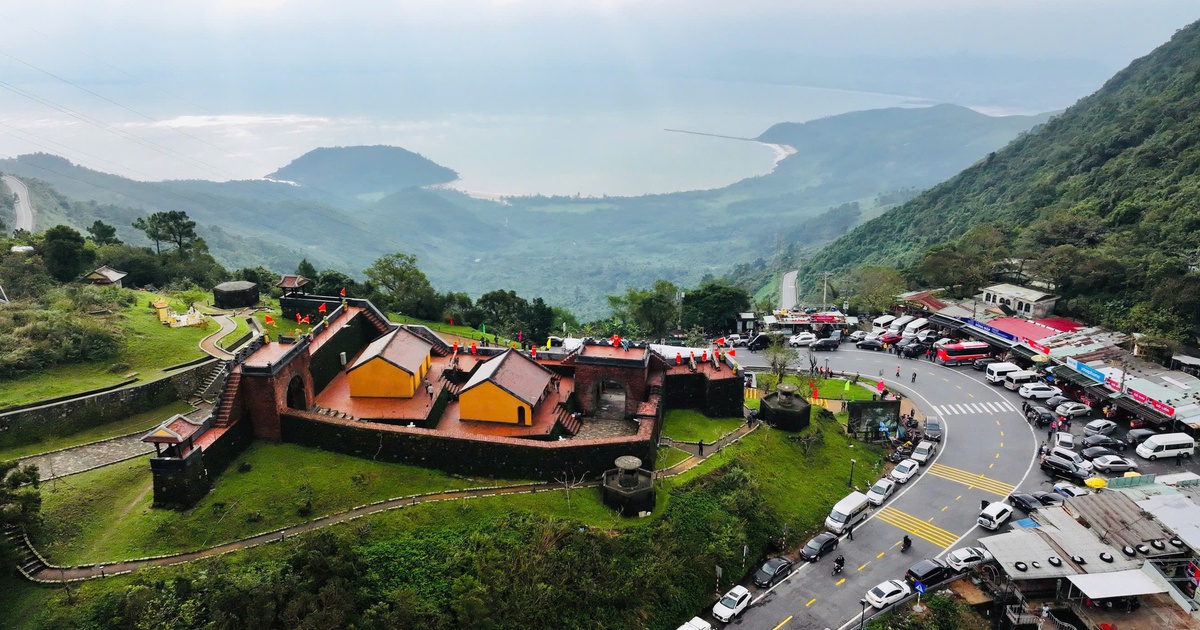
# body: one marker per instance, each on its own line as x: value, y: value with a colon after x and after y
x: 965, y: 352
x: 881, y: 323
x: 915, y: 326
x: 898, y: 325
x: 996, y: 372
x: 1014, y: 380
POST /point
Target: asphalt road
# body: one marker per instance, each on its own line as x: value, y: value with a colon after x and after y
x: 24, y: 210
x: 988, y: 449
x: 787, y: 290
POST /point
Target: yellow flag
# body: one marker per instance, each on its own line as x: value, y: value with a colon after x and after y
x: 547, y: 344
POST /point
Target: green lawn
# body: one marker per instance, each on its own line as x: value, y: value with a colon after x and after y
x: 668, y: 456
x: 149, y: 347
x: 826, y: 387
x: 105, y: 514
x: 242, y: 329
x: 689, y: 425
x: 141, y: 422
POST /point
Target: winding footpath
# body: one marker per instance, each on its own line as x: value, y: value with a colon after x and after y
x: 48, y: 573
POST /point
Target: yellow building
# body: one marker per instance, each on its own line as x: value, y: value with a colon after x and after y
x: 161, y: 309
x: 392, y: 366
x: 506, y: 388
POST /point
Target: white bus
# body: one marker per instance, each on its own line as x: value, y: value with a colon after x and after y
x: 880, y: 324
x: 915, y: 326
x: 898, y: 325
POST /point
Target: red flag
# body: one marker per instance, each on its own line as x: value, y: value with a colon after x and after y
x: 342, y: 292
x: 321, y: 308
x: 455, y: 347
x: 816, y: 393
x: 269, y: 320
x: 534, y: 351
x: 451, y: 321
x: 472, y: 347
x: 297, y: 318
x: 733, y: 352
x: 721, y: 341
x: 305, y: 320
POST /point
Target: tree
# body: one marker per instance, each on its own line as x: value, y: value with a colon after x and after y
x: 306, y: 269
x: 103, y: 233
x: 332, y: 282
x: 263, y: 277
x: 875, y: 288
x: 714, y: 306
x: 405, y: 287
x: 654, y: 312
x: 64, y: 253
x: 20, y: 503
x: 780, y: 356
x: 172, y: 227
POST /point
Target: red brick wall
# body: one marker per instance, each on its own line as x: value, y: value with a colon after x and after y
x: 264, y: 398
x: 589, y: 377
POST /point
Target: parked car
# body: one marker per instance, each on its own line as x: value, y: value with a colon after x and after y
x: 924, y: 451
x: 1040, y: 415
x: 732, y: 604
x: 1091, y: 453
x: 943, y: 341
x: 829, y: 343
x: 887, y: 593
x: 732, y: 341
x: 1064, y: 440
x: 772, y: 571
x: 802, y: 339
x: 994, y: 515
x: 1062, y: 468
x: 1024, y: 502
x: 858, y: 335
x: 981, y: 364
x: 696, y: 623
x: 915, y: 350
x: 928, y: 336
x: 881, y: 491
x: 820, y: 545
x: 870, y: 344
x: 1070, y: 490
x: 1075, y: 410
x: 1080, y: 462
x: 967, y: 557
x: 890, y: 337
x: 1054, y: 401
x: 762, y: 340
x: 1038, y: 390
x: 928, y: 572
x: 933, y: 429
x: 1113, y: 463
x: 1106, y: 441
x: 905, y: 470
x: 1100, y: 427
x: 1137, y: 436
x: 1048, y: 498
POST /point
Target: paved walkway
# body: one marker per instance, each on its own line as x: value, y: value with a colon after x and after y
x: 209, y: 343
x: 54, y: 574
x: 88, y: 456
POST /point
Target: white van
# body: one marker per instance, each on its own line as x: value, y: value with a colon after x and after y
x: 1166, y: 445
x: 915, y: 326
x: 1014, y: 380
x: 850, y: 511
x: 898, y: 325
x: 996, y: 372
x: 880, y: 324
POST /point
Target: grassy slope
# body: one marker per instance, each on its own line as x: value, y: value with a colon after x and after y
x: 140, y: 422
x: 668, y: 456
x: 689, y: 425
x: 149, y: 347
x: 826, y: 387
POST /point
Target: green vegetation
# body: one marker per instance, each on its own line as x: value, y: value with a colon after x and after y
x: 826, y: 387
x: 242, y: 328
x: 140, y: 422
x: 130, y: 340
x: 668, y: 456
x: 355, y: 171
x: 942, y: 612
x: 1098, y: 203
x: 689, y: 425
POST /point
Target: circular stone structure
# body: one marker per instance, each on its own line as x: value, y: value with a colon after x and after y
x: 629, y: 488
x: 783, y: 410
x: 236, y: 294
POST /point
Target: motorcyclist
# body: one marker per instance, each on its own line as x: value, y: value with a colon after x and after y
x: 839, y: 562
x: 907, y: 542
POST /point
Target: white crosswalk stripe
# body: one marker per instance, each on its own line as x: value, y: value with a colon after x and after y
x: 977, y: 408
x: 939, y: 410
x: 1008, y: 405
x: 993, y: 407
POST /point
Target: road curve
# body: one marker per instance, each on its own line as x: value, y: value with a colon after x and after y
x: 787, y: 291
x: 23, y: 208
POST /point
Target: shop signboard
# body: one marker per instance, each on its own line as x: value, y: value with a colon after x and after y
x: 995, y: 331
x: 1112, y: 383
x: 1037, y: 346
x: 1086, y: 370
x: 1163, y: 408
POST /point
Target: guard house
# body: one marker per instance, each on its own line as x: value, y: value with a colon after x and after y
x: 176, y: 434
x: 105, y: 277
x: 506, y: 388
x: 235, y: 294
x: 1020, y: 301
x: 392, y: 366
x: 293, y: 284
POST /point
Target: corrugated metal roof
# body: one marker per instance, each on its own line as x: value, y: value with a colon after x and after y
x: 1116, y: 517
x: 1027, y: 546
x: 1076, y: 540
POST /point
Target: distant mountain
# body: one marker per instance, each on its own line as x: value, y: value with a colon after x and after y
x: 1102, y: 201
x: 353, y: 171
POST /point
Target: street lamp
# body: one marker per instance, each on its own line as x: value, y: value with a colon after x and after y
x: 862, y: 616
x: 852, y: 462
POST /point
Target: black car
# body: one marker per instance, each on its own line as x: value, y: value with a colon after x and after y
x: 828, y: 343
x: 1062, y: 468
x: 1054, y: 401
x: 1024, y: 502
x: 762, y: 340
x: 928, y: 572
x: 1107, y: 441
x: 1048, y: 498
x: 869, y: 344
x: 1041, y: 415
x: 1137, y: 436
x: 1092, y: 452
x: 820, y: 545
x: 915, y: 350
x: 933, y: 430
x: 772, y: 571
x: 981, y: 364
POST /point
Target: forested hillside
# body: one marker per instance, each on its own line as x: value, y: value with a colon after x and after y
x: 1103, y: 202
x: 352, y: 171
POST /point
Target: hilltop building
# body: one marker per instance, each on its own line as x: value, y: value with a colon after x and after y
x: 105, y: 276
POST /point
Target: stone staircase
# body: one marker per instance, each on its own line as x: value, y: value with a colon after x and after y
x: 228, y: 393
x: 213, y: 382
x: 381, y: 324
x: 332, y: 413
x: 567, y: 420
x: 29, y: 563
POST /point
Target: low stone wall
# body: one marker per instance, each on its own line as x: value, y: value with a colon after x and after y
x: 496, y: 457
x: 76, y: 414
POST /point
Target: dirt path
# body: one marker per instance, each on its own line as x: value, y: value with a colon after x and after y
x: 54, y: 574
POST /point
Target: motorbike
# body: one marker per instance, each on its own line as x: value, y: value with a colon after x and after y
x: 837, y: 568
x: 906, y: 545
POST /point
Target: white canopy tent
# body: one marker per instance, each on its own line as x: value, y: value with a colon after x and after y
x: 1115, y: 584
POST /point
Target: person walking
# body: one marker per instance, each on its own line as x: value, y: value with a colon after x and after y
x: 700, y: 446
x: 914, y: 378
x: 897, y: 371
x: 850, y: 531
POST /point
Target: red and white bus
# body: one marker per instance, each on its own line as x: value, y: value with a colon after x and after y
x: 965, y: 352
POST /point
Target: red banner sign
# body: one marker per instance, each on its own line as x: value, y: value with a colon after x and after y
x: 1138, y: 396
x: 1112, y: 383
x: 1037, y: 346
x: 1161, y: 407
x: 824, y: 318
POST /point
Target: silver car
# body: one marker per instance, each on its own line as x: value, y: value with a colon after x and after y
x: 1073, y: 410
x: 1100, y: 427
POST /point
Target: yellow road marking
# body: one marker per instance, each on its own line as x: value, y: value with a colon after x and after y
x: 1002, y: 435
x: 864, y: 565
x: 917, y: 527
x: 990, y: 465
x: 784, y: 622
x: 810, y: 602
x: 1002, y: 443
x: 944, y: 509
x: 971, y: 479
x: 841, y: 582
x: 881, y: 553
x: 997, y: 423
x: 997, y: 455
x: 958, y: 497
x: 969, y: 394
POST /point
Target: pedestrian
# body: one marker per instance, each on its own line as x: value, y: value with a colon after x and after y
x: 1179, y: 458
x: 1042, y: 451
x: 914, y: 379
x: 700, y: 445
x: 1050, y: 433
x: 850, y: 531
x: 897, y: 371
x: 429, y: 389
x: 983, y: 505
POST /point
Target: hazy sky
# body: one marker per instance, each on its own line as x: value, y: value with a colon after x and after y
x: 230, y: 80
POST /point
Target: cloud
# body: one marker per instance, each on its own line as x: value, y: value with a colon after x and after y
x: 234, y: 120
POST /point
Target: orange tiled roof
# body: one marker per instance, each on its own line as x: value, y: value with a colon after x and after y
x: 400, y: 347
x: 515, y: 373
